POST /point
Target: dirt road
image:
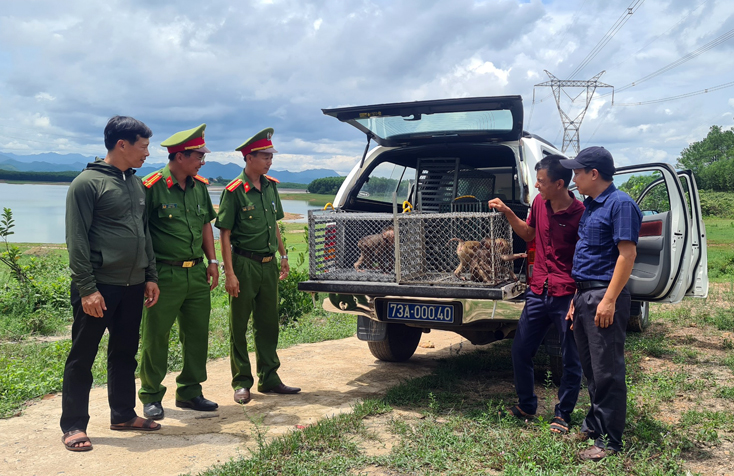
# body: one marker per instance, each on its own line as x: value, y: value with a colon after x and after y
x: 334, y: 375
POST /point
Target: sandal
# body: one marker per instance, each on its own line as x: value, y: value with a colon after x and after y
x: 517, y: 412
x: 70, y: 445
x: 148, y: 425
x: 558, y: 425
x: 596, y: 453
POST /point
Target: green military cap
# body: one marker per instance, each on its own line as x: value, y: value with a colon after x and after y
x: 260, y: 142
x: 192, y: 139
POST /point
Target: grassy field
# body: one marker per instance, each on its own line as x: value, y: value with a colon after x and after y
x: 680, y: 417
x: 312, y: 198
x: 720, y: 240
x: 34, y: 338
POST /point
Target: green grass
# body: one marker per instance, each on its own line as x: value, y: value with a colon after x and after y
x: 720, y: 238
x: 312, y: 198
x: 29, y: 370
x: 679, y: 410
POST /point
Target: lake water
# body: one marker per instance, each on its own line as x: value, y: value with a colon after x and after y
x: 38, y: 211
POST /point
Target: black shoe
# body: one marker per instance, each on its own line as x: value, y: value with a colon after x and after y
x: 200, y: 404
x: 282, y: 389
x: 153, y: 410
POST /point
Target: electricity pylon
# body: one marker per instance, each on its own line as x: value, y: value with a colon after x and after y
x: 571, y: 126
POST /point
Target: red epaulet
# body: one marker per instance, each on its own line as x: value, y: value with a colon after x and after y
x: 201, y: 179
x: 272, y: 179
x: 233, y: 185
x: 152, y: 179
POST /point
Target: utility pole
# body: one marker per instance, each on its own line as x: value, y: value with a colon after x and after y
x: 571, y: 126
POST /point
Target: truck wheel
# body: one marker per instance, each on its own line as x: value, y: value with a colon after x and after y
x: 639, y: 316
x: 399, y: 344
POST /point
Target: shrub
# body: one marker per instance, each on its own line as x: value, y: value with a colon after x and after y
x: 292, y: 302
x: 716, y: 204
x: 326, y: 186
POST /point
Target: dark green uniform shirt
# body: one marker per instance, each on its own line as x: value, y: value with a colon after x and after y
x: 251, y: 214
x: 176, y: 217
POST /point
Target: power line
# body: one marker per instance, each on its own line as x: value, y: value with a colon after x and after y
x: 654, y: 39
x: 708, y: 46
x: 574, y: 19
x: 626, y: 15
x: 601, y: 121
x: 680, y: 96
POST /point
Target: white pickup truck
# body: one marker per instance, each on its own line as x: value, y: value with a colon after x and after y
x: 427, y: 182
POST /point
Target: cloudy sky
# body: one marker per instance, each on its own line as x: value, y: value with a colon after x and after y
x: 240, y: 66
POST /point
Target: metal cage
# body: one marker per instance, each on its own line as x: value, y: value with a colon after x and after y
x: 453, y: 248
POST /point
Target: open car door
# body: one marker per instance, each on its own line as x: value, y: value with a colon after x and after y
x: 699, y: 286
x: 671, y: 250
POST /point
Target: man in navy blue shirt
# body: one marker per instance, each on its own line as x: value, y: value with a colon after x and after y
x: 602, y: 264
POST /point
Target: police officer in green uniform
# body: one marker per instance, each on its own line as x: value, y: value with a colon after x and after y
x: 180, y: 213
x: 248, y: 211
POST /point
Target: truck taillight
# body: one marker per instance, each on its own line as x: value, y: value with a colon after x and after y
x: 531, y: 259
x: 330, y: 241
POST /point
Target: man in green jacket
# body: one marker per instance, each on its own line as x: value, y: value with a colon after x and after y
x: 248, y: 211
x: 112, y: 274
x: 180, y: 212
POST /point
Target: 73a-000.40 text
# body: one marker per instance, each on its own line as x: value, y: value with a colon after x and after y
x: 420, y: 312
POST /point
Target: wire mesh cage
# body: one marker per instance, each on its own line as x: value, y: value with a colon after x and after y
x: 459, y: 248
x: 351, y: 246
x: 462, y: 248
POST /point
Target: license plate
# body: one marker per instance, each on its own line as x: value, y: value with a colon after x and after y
x: 420, y: 312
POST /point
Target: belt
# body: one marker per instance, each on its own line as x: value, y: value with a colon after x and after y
x: 183, y: 264
x: 581, y: 285
x: 254, y: 256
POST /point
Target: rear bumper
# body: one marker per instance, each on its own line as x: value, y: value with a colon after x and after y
x: 376, y: 289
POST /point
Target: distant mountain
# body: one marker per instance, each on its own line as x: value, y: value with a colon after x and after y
x: 230, y: 171
x: 12, y: 164
x: 52, y: 158
x: 52, y: 162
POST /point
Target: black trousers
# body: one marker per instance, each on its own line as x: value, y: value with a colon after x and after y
x: 602, y: 358
x: 122, y: 319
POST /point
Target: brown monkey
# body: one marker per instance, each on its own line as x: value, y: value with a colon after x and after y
x: 487, y: 263
x: 465, y: 250
x: 376, y: 248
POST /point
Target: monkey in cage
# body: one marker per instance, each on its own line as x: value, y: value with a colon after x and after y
x: 488, y: 264
x: 377, y: 251
x: 477, y: 257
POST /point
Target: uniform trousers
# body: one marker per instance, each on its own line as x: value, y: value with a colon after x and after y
x: 540, y: 312
x: 602, y: 358
x: 258, y: 298
x: 122, y: 320
x: 185, y: 298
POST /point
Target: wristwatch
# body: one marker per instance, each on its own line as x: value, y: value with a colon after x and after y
x: 213, y: 261
x: 283, y: 256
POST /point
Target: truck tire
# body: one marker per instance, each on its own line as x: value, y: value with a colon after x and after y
x: 399, y: 344
x: 639, y: 316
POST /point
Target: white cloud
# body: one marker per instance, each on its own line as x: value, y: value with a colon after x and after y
x: 66, y: 67
x: 44, y: 97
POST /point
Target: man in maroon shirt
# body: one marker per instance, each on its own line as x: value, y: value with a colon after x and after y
x: 553, y: 223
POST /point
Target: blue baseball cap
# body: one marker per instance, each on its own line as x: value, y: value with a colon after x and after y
x: 595, y: 157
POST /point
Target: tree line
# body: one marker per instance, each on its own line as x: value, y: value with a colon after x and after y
x: 711, y: 160
x: 15, y: 175
x: 326, y: 185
